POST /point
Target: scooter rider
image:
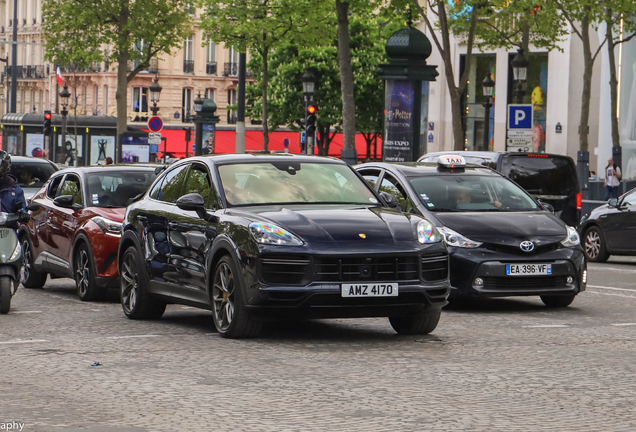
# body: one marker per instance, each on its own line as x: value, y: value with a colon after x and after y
x: 11, y: 194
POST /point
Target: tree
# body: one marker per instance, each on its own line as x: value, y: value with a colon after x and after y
x: 259, y: 26
x: 79, y: 32
x: 346, y: 77
x: 444, y: 11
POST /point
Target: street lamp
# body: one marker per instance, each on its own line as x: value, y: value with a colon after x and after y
x: 64, y: 95
x: 309, y: 82
x: 198, y: 128
x: 155, y: 93
x: 519, y: 73
x: 489, y: 86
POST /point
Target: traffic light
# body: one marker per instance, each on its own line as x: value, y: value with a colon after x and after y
x: 47, y: 122
x: 310, y: 122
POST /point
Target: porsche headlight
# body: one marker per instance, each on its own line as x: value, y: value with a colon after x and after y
x: 266, y: 233
x: 426, y: 233
x: 453, y: 238
x: 572, y: 239
x: 107, y: 225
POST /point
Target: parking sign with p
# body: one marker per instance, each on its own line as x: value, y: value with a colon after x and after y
x: 520, y: 117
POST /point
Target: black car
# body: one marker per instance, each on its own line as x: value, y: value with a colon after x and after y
x: 547, y: 177
x: 254, y: 237
x: 501, y: 241
x: 611, y: 228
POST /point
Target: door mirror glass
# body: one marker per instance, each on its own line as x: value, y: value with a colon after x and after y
x: 389, y: 199
x: 613, y: 202
x: 191, y: 202
x: 64, y: 201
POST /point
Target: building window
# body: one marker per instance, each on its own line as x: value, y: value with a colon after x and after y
x: 473, y: 99
x: 186, y: 105
x: 23, y: 100
x: 105, y: 100
x: 231, y: 66
x: 41, y: 101
x: 209, y: 93
x: 188, y: 55
x: 95, y: 98
x: 210, y: 58
x: 231, y: 101
x: 140, y: 99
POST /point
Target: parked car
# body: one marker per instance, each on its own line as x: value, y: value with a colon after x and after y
x: 547, y: 177
x: 501, y: 241
x: 76, y: 231
x: 611, y: 228
x: 31, y: 173
x: 255, y: 237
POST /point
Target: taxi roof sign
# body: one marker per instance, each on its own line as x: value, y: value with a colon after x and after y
x: 451, y: 161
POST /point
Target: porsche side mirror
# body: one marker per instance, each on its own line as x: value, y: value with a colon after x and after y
x: 389, y: 199
x: 195, y: 202
x: 612, y: 202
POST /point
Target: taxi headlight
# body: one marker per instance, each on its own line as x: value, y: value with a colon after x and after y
x: 266, y: 233
x: 426, y: 232
x: 16, y: 252
x: 572, y: 239
x: 453, y: 238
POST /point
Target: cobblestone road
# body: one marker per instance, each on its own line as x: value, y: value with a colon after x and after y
x: 496, y: 365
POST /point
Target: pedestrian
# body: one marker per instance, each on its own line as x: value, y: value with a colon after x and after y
x: 612, y: 179
x: 592, y: 175
x: 108, y: 161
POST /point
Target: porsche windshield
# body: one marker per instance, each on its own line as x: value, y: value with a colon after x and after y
x: 459, y: 192
x: 291, y: 182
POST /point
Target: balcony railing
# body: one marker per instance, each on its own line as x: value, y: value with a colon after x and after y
x: 230, y: 69
x: 29, y: 72
x: 188, y: 66
x: 93, y: 67
x: 210, y: 68
x: 153, y: 66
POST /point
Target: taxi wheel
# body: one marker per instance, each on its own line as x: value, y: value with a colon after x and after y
x: 416, y: 325
x: 558, y: 301
x: 136, y: 302
x: 594, y: 245
x: 231, y: 318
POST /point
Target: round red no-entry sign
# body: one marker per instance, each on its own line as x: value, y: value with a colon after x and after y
x: 155, y: 124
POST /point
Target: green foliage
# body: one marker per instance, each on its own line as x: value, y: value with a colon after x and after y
x: 79, y: 32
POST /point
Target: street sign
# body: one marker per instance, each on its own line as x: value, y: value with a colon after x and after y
x: 154, y: 148
x: 520, y: 116
x: 155, y: 124
x: 154, y: 135
x: 303, y: 137
x: 527, y: 134
x: 519, y: 142
x: 154, y: 140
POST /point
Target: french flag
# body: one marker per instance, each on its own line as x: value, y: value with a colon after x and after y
x: 58, y: 77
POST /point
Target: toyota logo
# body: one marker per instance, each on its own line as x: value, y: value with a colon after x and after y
x: 526, y: 246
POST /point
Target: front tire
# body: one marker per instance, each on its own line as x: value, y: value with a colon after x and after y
x: 31, y: 278
x: 594, y: 245
x: 231, y: 318
x: 416, y: 325
x: 87, y: 288
x: 5, y: 294
x: 136, y: 301
x: 558, y: 301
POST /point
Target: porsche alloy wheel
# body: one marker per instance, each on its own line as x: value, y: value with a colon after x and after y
x: 136, y: 302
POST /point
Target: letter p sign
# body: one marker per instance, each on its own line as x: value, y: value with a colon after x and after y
x: 520, y: 117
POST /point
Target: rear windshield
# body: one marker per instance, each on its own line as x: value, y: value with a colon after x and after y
x: 117, y: 188
x: 32, y: 175
x: 542, y: 175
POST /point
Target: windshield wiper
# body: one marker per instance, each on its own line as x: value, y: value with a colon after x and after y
x: 445, y: 209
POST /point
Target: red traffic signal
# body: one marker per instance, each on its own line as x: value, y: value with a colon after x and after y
x: 47, y: 115
x: 311, y: 109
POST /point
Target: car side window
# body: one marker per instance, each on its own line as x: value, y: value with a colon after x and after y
x: 71, y: 186
x: 392, y: 186
x: 630, y: 200
x: 371, y: 176
x: 172, y: 184
x: 198, y: 181
x: 51, y: 191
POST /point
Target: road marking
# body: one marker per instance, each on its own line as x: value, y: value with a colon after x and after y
x: 547, y: 326
x: 20, y: 341
x: 624, y: 324
x: 612, y: 288
x: 611, y: 294
x: 614, y: 269
x: 132, y: 336
x: 24, y: 312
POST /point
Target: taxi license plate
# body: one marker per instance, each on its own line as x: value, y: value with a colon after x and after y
x: 372, y: 289
x: 528, y: 269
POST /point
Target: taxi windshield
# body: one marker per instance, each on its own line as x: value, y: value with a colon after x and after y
x: 291, y: 182
x: 464, y: 192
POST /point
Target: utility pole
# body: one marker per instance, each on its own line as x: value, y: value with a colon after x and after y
x: 240, y: 112
x: 14, y: 60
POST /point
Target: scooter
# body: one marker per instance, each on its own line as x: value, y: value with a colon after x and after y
x: 11, y: 255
